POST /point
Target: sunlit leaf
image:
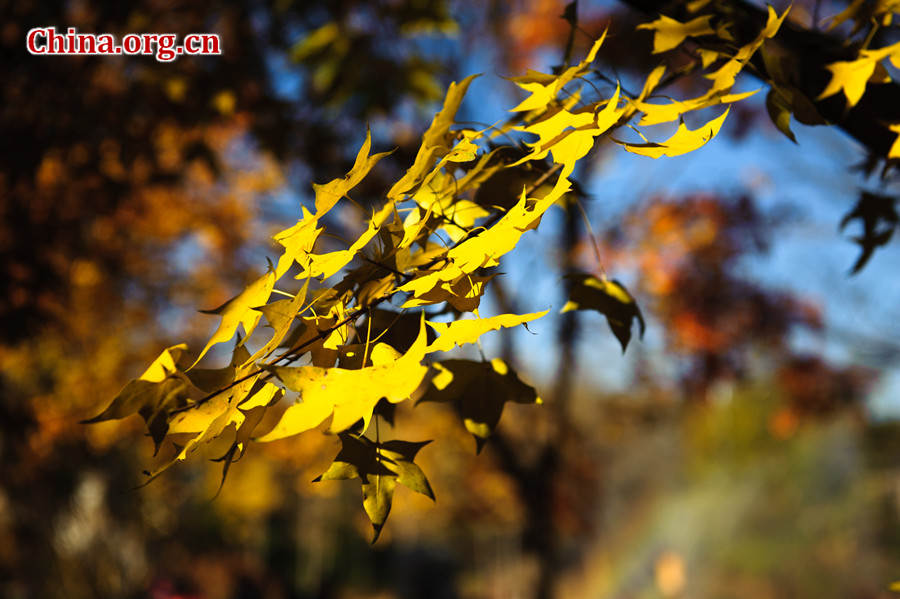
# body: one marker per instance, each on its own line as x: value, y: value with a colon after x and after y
x: 655, y: 114
x: 684, y: 140
x: 485, y: 249
x: 298, y: 242
x: 894, y: 152
x: 461, y: 332
x: 669, y: 33
x: 240, y: 310
x: 328, y: 194
x: 397, y: 329
x: 349, y: 395
x: 652, y: 82
x: 435, y: 142
x: 544, y: 87
x: 280, y: 315
x: 465, y: 150
x: 850, y: 77
x: 464, y: 294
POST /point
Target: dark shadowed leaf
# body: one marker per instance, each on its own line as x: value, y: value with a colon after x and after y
x: 780, y: 113
x: 481, y: 389
x: 610, y: 298
x: 879, y: 218
x: 379, y: 466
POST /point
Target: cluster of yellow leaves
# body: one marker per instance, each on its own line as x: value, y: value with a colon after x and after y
x: 851, y: 77
x: 668, y: 34
x: 440, y: 252
x: 568, y: 133
x: 193, y: 406
x: 350, y: 395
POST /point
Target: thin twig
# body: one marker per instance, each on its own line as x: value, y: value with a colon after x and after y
x: 594, y: 243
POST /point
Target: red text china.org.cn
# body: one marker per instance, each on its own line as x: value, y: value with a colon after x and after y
x: 163, y: 46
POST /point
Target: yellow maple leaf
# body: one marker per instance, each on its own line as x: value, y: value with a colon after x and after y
x: 326, y: 265
x: 460, y: 332
x: 240, y: 311
x: 464, y: 293
x: 298, y: 242
x: 164, y: 364
x: 773, y: 22
x: 654, y: 114
x: 849, y: 76
x: 347, y: 395
x: 684, y: 140
x: 669, y: 33
x: 149, y: 389
x: 652, y: 82
x: 328, y: 194
x: 435, y: 142
x: 544, y: 87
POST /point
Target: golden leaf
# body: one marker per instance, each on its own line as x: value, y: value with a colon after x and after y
x: 240, y: 310
x: 460, y: 332
x: 684, y: 140
x: 669, y: 33
x: 350, y: 395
